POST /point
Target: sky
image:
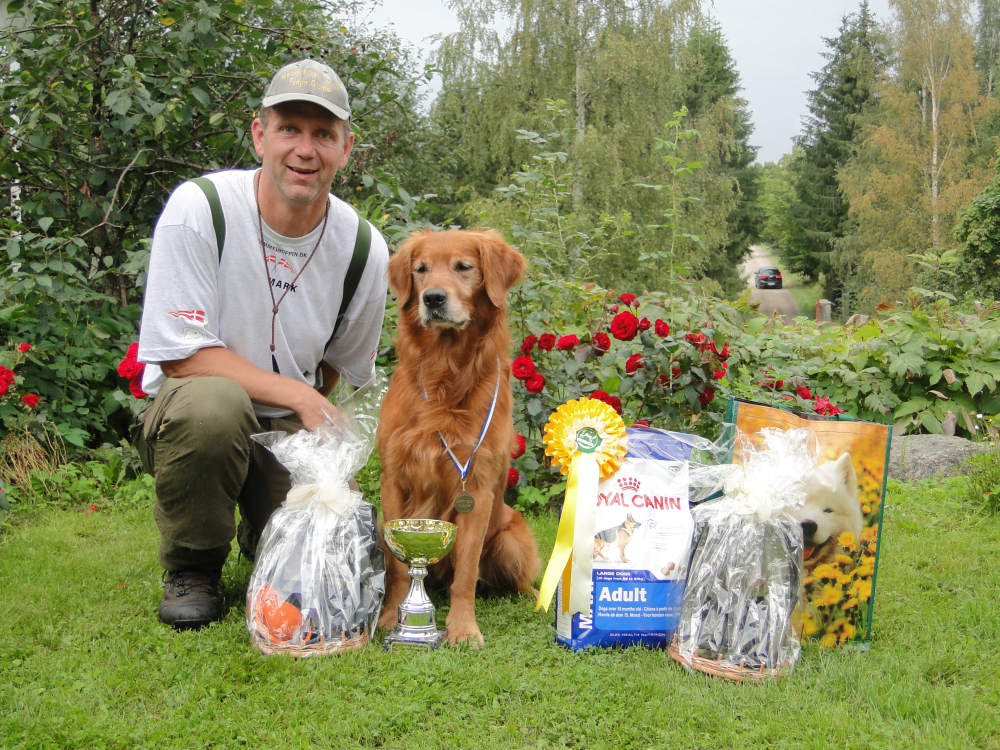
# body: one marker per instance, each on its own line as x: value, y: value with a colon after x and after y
x: 776, y: 45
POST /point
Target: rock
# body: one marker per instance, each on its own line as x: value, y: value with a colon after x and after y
x: 930, y: 455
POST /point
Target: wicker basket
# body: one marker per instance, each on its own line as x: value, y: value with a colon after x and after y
x: 717, y: 668
x: 347, y: 642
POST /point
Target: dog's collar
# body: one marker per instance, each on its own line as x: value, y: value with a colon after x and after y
x: 463, y: 469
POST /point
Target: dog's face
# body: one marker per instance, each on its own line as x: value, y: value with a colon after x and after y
x: 631, y: 523
x: 831, y: 507
x: 448, y: 275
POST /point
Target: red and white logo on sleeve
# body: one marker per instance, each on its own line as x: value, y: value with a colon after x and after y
x: 195, y: 316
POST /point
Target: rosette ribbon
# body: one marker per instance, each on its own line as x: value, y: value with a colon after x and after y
x: 586, y: 439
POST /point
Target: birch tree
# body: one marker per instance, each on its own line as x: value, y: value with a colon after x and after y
x: 924, y: 153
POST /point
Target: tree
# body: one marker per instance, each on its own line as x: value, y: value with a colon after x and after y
x: 711, y: 85
x: 923, y: 152
x: 845, y: 86
x: 988, y: 45
x: 617, y: 65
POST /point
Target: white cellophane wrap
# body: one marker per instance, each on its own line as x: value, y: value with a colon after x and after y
x: 745, y: 572
x: 319, y: 575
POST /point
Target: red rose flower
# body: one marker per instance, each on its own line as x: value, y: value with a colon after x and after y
x: 613, y: 308
x: 535, y: 383
x: 135, y: 386
x: 724, y: 354
x: 547, y: 341
x: 600, y: 396
x: 640, y: 423
x: 644, y: 324
x: 615, y: 403
x: 627, y: 299
x: 718, y: 374
x: 522, y: 367
x: 565, y: 343
x: 675, y: 371
x: 23, y: 348
x: 706, y: 398
x: 512, y: 477
x: 521, y: 447
x: 660, y: 328
x: 130, y: 367
x: 6, y: 376
x: 662, y: 380
x: 601, y: 342
x: 633, y: 363
x: 624, y: 326
x: 30, y: 400
x: 825, y: 408
x: 528, y: 344
x: 697, y: 339
x: 4, y: 386
x: 803, y: 392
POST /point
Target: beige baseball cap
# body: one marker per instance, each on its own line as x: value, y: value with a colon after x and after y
x: 308, y: 81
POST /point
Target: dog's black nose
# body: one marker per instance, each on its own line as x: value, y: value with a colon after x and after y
x: 808, y: 529
x: 434, y: 298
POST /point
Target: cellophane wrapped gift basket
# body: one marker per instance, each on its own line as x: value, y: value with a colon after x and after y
x: 744, y: 579
x: 319, y: 576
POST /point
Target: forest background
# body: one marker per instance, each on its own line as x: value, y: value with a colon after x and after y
x: 608, y: 141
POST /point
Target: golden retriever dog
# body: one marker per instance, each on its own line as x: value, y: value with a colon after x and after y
x: 453, y: 350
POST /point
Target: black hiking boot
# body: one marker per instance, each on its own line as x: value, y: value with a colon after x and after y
x: 191, y: 599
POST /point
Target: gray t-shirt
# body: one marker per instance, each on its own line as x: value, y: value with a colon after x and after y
x: 192, y: 301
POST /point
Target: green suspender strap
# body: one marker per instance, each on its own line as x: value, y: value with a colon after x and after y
x: 218, y: 218
x: 362, y: 246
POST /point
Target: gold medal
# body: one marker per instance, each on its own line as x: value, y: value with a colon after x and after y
x: 464, y: 503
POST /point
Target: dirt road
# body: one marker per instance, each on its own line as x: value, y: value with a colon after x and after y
x: 771, y: 300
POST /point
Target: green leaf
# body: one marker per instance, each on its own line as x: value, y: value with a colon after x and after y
x: 572, y: 367
x: 754, y: 326
x: 216, y: 118
x: 201, y: 96
x: 45, y: 222
x: 974, y: 383
x: 534, y: 407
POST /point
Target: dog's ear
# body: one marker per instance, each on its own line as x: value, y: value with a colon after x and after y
x: 845, y: 471
x: 400, y: 268
x: 503, y: 266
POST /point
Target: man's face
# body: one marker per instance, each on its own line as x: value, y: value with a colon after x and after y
x: 301, y: 150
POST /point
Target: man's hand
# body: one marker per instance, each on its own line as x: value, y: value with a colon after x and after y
x: 263, y: 387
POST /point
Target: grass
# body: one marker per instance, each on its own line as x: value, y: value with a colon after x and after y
x: 804, y: 293
x: 85, y: 664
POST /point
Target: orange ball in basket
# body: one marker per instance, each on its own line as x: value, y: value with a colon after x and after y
x: 281, y: 621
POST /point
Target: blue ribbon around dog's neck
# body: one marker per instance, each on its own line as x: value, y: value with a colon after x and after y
x: 463, y: 469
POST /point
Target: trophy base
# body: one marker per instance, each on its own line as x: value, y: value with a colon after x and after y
x: 429, y: 640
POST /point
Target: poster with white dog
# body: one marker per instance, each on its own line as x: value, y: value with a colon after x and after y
x: 841, y: 518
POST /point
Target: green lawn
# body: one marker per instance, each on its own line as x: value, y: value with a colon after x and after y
x: 85, y: 664
x: 804, y: 293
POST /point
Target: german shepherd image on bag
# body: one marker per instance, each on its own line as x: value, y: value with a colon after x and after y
x: 617, y: 536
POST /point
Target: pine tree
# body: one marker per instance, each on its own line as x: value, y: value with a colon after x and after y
x: 844, y: 87
x: 711, y: 85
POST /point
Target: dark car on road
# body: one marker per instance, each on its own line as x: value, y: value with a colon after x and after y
x: 767, y: 277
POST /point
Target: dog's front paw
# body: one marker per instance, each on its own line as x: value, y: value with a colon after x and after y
x: 388, y: 619
x: 464, y: 633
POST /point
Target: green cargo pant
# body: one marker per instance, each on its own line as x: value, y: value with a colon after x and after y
x: 194, y: 438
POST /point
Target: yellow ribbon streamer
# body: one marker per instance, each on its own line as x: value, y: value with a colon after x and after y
x: 564, y: 540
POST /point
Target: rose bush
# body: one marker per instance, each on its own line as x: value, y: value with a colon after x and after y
x: 911, y: 364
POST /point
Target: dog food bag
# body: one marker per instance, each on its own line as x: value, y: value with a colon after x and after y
x: 642, y: 542
x: 744, y: 577
x: 319, y: 576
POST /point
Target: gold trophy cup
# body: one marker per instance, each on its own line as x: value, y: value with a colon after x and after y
x: 419, y: 542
